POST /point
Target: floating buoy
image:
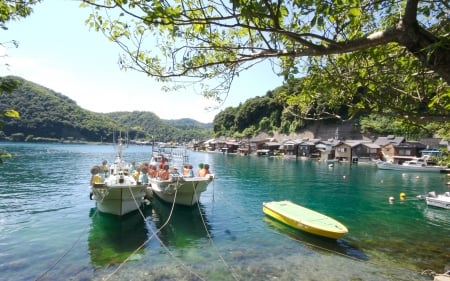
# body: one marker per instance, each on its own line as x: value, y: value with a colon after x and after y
x: 402, y: 196
x: 381, y: 181
x: 344, y: 177
x: 417, y: 177
x: 391, y: 199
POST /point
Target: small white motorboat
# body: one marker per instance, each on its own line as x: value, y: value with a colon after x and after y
x: 436, y: 200
x: 414, y: 165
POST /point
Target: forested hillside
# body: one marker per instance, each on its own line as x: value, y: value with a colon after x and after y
x: 47, y: 115
x: 275, y: 112
x: 148, y: 126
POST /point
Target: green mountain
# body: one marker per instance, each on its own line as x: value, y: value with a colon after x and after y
x: 48, y: 115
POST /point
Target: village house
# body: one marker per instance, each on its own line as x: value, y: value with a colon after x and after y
x: 307, y: 148
x: 244, y: 147
x: 265, y: 146
x: 406, y: 151
x: 389, y: 148
x: 365, y: 151
x: 387, y: 144
x: 289, y: 148
x: 229, y: 146
x: 344, y: 150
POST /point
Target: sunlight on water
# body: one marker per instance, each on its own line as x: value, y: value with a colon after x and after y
x: 45, y: 212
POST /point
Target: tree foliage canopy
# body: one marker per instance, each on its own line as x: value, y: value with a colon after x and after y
x: 356, y: 54
x: 14, y: 10
x: 271, y: 113
x: 6, y: 86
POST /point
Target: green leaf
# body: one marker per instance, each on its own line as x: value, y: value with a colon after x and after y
x: 11, y: 113
x: 355, y: 12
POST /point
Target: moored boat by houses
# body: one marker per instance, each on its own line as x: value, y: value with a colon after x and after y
x: 416, y: 165
x: 437, y: 200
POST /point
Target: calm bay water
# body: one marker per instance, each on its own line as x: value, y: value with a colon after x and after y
x: 50, y: 230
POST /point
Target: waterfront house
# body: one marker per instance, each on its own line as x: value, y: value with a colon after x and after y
x: 266, y: 147
x: 244, y: 147
x: 289, y: 148
x: 387, y: 144
x: 406, y: 151
x: 229, y: 146
x: 365, y: 151
x: 210, y: 145
x: 326, y: 149
x: 307, y: 148
x: 344, y: 150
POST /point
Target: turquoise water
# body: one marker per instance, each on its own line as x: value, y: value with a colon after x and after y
x: 50, y: 230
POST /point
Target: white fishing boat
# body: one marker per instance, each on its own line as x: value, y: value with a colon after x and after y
x: 115, y: 190
x: 437, y: 200
x: 415, y: 165
x: 180, y: 190
x: 178, y: 187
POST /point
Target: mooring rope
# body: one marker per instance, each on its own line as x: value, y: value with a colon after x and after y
x: 67, y: 251
x: 154, y: 235
x: 212, y: 241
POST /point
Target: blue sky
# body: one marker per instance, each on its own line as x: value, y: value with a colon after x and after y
x: 57, y: 50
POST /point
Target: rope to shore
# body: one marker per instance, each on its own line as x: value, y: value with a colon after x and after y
x: 211, y: 241
x: 154, y: 235
x: 67, y: 251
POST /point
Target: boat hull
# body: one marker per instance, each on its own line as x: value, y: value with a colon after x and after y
x: 390, y: 166
x: 118, y: 200
x: 441, y: 201
x: 304, y: 219
x: 182, y: 191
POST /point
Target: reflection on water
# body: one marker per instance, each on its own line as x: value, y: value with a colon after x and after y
x: 181, y: 227
x: 340, y: 246
x: 437, y: 216
x: 113, y: 239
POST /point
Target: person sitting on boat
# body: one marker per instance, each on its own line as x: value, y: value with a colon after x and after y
x: 187, y: 171
x: 96, y: 178
x: 143, y: 177
x: 153, y: 171
x: 163, y: 173
x: 200, y: 168
x: 205, y: 171
x: 191, y: 171
x: 137, y: 173
x: 105, y: 168
x: 162, y: 163
x: 133, y: 166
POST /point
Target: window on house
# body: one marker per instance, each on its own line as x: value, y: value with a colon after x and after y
x: 341, y: 149
x: 404, y: 152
